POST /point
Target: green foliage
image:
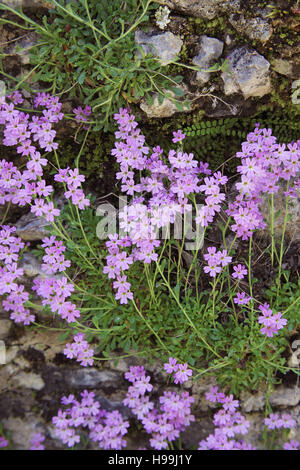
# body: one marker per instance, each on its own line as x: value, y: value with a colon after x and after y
x: 199, y: 326
x: 88, y: 50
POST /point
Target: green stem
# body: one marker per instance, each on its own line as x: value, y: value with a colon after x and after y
x: 150, y: 327
x: 186, y: 315
x: 5, y: 214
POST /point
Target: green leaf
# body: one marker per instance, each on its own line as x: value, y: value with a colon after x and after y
x: 178, y: 78
x: 160, y: 99
x: 64, y: 336
x: 177, y: 91
x: 81, y: 78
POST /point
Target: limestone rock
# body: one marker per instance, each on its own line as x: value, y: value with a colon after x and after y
x: 22, y: 430
x: 255, y: 28
x: 284, y: 67
x: 284, y: 396
x: 31, y: 266
x: 248, y: 73
x: 203, y: 8
x: 209, y: 51
x: 159, y: 110
x: 252, y: 402
x: 29, y: 380
x: 91, y: 377
x: 30, y: 227
x: 5, y: 326
x: 166, y: 46
x: 22, y: 48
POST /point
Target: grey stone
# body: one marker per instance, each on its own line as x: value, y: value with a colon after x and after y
x: 255, y: 28
x: 5, y: 326
x: 23, y: 47
x: 252, y: 402
x: 30, y: 227
x: 11, y: 353
x: 23, y: 429
x: 285, y: 397
x: 91, y: 377
x: 31, y: 265
x: 29, y: 380
x: 283, y: 66
x: 203, y: 8
x: 248, y: 73
x: 112, y: 405
x: 210, y: 49
x: 166, y: 109
x: 166, y: 46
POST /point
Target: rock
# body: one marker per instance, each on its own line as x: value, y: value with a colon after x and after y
x: 156, y: 110
x: 284, y: 67
x: 22, y: 430
x: 91, y: 377
x: 166, y: 46
x: 11, y: 353
x: 252, y: 402
x: 210, y: 50
x: 248, y: 73
x: 30, y: 227
x: 203, y: 8
x: 31, y: 265
x: 165, y: 109
x: 255, y: 28
x: 46, y: 341
x: 29, y: 380
x: 5, y: 326
x: 23, y: 47
x: 109, y: 404
x: 285, y: 397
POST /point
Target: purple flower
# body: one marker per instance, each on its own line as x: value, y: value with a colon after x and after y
x: 182, y: 374
x: 240, y: 271
x: 171, y: 366
x: 178, y: 136
x: 36, y: 442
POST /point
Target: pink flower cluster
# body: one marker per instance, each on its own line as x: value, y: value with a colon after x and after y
x: 241, y: 298
x: 211, y: 188
x: 105, y: 428
x: 263, y: 164
x: 164, y: 424
x: 157, y: 197
x: 80, y: 350
x: 54, y: 291
x: 26, y: 133
x: 36, y: 442
x: 180, y: 371
x: 81, y: 114
x: 271, y: 323
x: 54, y: 259
x: 229, y: 425
x: 275, y: 421
x: 27, y: 187
x: 3, y: 442
x: 16, y: 296
x: 73, y: 180
x: 216, y: 261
